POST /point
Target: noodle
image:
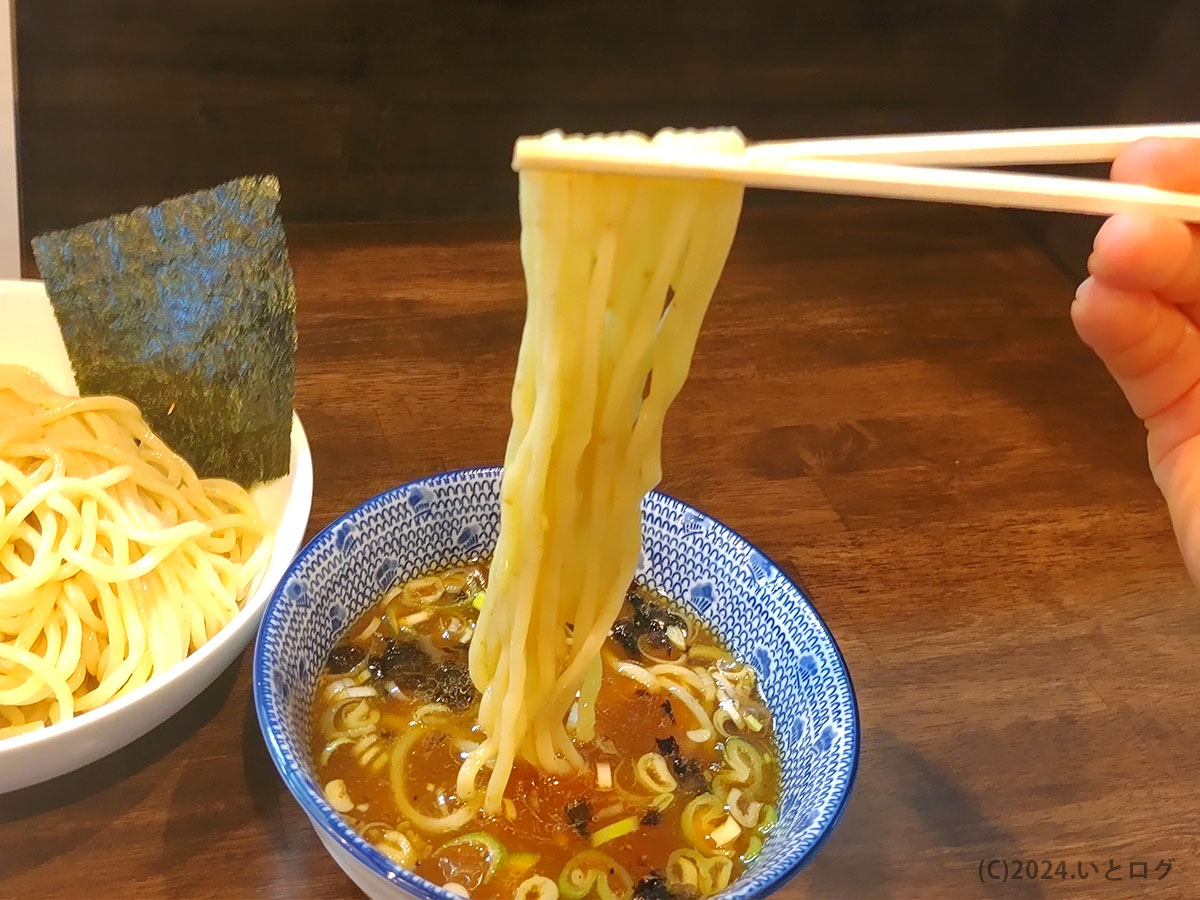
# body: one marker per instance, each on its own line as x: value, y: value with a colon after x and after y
x: 116, y: 560
x: 619, y: 271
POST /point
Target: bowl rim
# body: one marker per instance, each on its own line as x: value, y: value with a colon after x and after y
x: 287, y: 537
x: 379, y: 865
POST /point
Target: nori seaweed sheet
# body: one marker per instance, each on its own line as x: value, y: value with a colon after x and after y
x: 188, y: 309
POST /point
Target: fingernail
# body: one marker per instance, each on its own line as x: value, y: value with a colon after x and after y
x: 1084, y: 288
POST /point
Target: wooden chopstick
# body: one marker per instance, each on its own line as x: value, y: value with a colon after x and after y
x: 867, y: 179
x: 1025, y: 146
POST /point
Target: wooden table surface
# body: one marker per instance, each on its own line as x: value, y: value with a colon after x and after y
x: 887, y: 398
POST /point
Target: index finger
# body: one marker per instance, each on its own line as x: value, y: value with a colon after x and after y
x: 1170, y: 164
x: 1134, y: 257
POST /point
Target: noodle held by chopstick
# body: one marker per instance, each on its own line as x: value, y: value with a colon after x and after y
x: 620, y: 271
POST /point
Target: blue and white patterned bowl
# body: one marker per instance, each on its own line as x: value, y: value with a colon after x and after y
x: 448, y: 518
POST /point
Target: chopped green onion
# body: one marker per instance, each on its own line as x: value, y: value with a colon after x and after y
x: 752, y: 722
x: 662, y: 801
x: 335, y: 687
x: 708, y: 685
x: 604, y: 779
x: 653, y: 772
x: 536, y: 887
x: 494, y: 852
x: 706, y: 875
x: 477, y: 600
x: 455, y: 582
x: 699, y: 818
x: 708, y: 652
x: 726, y: 832
x: 330, y: 747
x: 415, y: 619
x: 687, y: 868
x: 640, y: 675
x: 338, y: 795
x: 431, y: 712
x: 364, y: 742
x: 422, y: 591
x: 371, y: 628
x: 396, y: 847
x: 743, y: 807
x: 721, y: 784
x: 394, y: 854
x: 594, y: 868
x: 357, y: 716
x: 753, y: 848
x: 723, y: 722
x: 720, y: 871
x: 744, y: 761
x: 769, y: 817
x: 617, y: 829
x: 677, y: 636
x: 616, y: 885
x: 609, y: 811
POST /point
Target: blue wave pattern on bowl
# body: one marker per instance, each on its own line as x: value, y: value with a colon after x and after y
x: 686, y: 555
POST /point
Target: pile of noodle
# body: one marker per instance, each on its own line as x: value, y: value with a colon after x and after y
x: 116, y: 560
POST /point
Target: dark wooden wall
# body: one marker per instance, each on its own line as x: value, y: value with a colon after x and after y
x: 395, y: 109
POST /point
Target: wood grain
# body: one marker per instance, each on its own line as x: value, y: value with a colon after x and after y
x: 887, y: 398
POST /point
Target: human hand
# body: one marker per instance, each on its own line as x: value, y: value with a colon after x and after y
x: 1140, y: 312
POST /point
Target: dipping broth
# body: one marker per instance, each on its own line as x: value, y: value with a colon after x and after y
x: 681, y: 784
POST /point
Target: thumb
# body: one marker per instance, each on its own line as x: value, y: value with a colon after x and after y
x: 1178, y: 477
x: 1152, y: 350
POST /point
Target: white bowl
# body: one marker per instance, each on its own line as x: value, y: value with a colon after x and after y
x: 30, y: 337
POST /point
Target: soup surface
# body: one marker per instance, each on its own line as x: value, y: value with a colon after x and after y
x: 681, y: 783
